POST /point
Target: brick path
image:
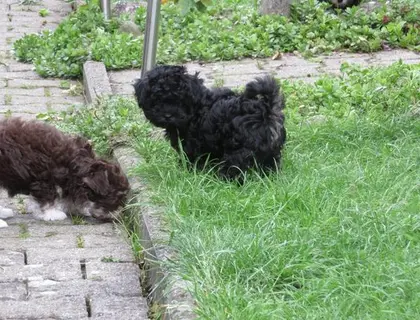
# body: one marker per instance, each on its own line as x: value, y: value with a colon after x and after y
x: 236, y: 73
x: 56, y: 270
x: 22, y: 91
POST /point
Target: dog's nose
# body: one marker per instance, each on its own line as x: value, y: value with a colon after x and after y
x: 167, y: 115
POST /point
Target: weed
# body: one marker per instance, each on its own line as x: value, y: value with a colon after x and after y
x: 44, y: 12
x: 74, y: 90
x: 78, y: 220
x: 29, y: 2
x: 21, y: 205
x: 260, y: 65
x: 64, y: 84
x: 23, y: 231
x: 110, y: 259
x: 28, y: 86
x: 219, y: 82
x: 8, y: 113
x: 7, y: 99
x: 80, y: 242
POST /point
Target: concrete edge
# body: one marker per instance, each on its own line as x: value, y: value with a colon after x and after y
x: 167, y: 291
x: 95, y: 81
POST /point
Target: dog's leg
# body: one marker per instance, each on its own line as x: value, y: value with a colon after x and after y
x: 52, y: 214
x: 3, y: 224
x: 6, y: 213
x: 235, y: 164
x: 45, y: 204
x: 47, y: 212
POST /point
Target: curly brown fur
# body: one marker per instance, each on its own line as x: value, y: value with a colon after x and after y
x: 59, y: 171
x: 238, y: 130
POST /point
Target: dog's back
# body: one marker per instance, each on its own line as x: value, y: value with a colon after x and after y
x: 30, y: 150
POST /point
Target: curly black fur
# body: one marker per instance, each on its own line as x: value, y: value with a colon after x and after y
x: 342, y: 4
x: 238, y: 130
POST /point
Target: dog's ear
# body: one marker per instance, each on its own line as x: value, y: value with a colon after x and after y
x: 97, y: 178
x: 85, y: 145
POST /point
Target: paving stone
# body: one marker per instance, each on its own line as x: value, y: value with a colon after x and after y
x: 10, y: 232
x: 335, y: 64
x: 122, y: 279
x: 59, y: 92
x: 120, y: 285
x: 124, y: 77
x: 389, y: 62
x: 18, y: 67
x: 49, y: 229
x: 33, y: 108
x: 25, y: 115
x: 52, y: 241
x: 56, y: 272
x: 287, y: 60
x: 117, y: 308
x: 25, y: 83
x: 11, y: 257
x: 41, y: 100
x: 35, y: 92
x: 52, y: 256
x: 10, y: 291
x: 59, y: 9
x: 72, y: 308
x: 27, y: 75
x: 240, y: 68
x: 296, y: 72
x: 122, y: 89
x: 395, y: 55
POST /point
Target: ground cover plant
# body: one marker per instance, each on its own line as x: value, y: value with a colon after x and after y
x: 225, y: 30
x: 333, y: 235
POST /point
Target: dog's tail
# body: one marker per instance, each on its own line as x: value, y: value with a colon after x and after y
x: 267, y: 89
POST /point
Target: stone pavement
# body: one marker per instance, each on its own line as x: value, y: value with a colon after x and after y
x: 56, y: 270
x: 237, y: 73
x: 22, y: 91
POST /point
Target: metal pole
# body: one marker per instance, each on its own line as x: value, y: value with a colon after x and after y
x: 106, y: 8
x: 150, y: 36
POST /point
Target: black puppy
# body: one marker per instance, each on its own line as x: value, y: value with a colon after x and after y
x: 343, y: 4
x: 238, y: 130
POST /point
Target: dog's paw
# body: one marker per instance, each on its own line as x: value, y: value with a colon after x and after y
x: 6, y: 213
x: 53, y: 215
x: 3, y: 224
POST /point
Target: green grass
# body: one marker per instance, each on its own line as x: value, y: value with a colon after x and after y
x: 334, y: 235
x: 226, y: 30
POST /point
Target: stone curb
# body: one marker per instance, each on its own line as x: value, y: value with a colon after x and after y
x: 95, y: 81
x: 165, y: 291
